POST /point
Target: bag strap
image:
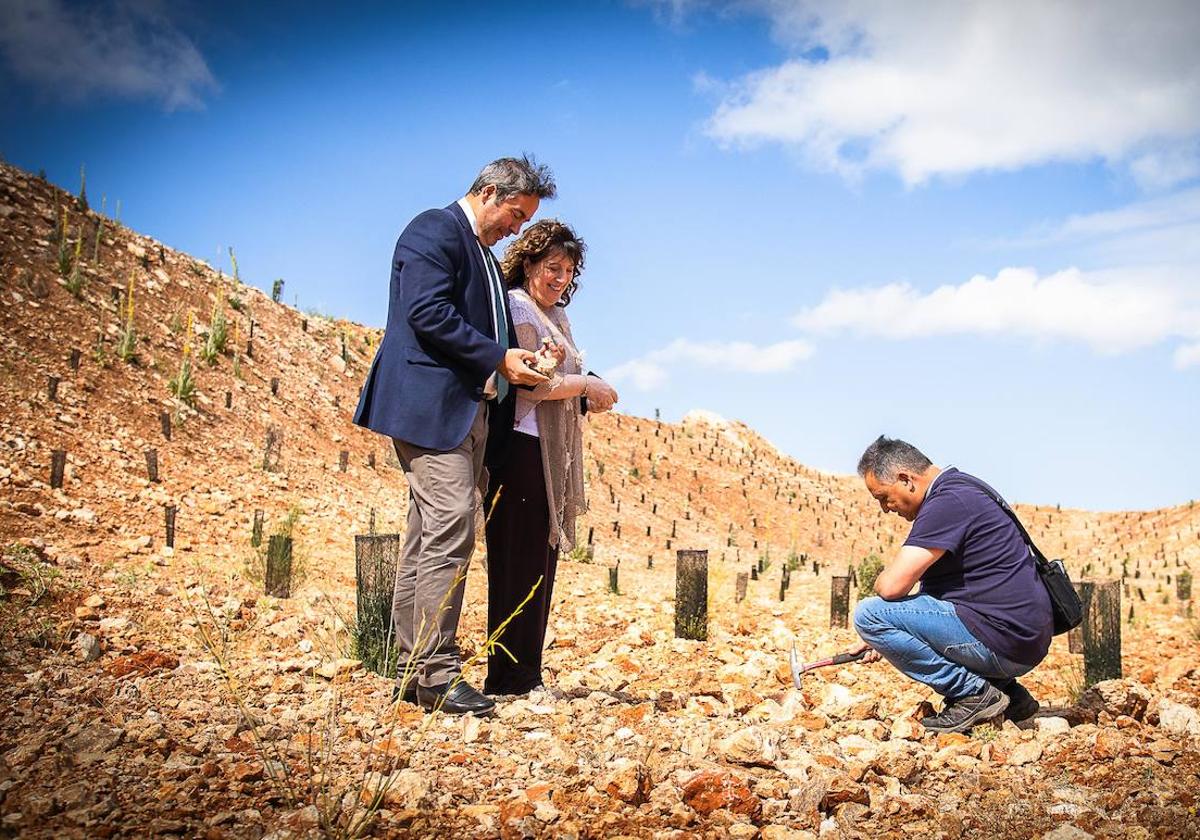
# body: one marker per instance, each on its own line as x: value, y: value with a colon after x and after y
x: 1038, y: 557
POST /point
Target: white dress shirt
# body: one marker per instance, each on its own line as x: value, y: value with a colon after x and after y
x: 497, y: 288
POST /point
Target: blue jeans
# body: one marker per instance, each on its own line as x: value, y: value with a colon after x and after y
x: 925, y: 640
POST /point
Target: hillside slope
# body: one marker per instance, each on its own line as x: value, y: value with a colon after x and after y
x: 713, y: 485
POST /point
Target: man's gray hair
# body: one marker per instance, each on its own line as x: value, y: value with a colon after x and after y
x: 516, y: 176
x: 887, y: 457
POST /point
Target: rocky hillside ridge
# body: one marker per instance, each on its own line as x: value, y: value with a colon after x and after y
x: 123, y: 722
x: 653, y: 487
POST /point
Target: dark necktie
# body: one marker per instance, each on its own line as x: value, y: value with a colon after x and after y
x: 497, y: 288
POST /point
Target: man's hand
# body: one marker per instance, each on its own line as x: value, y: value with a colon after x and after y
x: 872, y: 654
x: 515, y: 367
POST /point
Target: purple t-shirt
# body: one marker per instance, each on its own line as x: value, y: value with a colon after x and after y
x: 987, y: 571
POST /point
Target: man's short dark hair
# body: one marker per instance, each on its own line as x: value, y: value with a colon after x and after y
x: 516, y: 176
x: 887, y: 457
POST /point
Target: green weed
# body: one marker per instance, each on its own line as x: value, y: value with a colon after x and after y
x: 127, y: 343
x: 868, y: 571
x: 82, y: 199
x: 1075, y: 679
x: 218, y: 335
x: 182, y: 385
x: 64, y: 247
x: 581, y: 554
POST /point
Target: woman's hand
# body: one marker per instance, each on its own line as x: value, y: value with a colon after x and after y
x: 601, y: 396
x: 558, y: 351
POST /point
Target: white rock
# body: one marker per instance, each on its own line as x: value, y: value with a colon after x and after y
x: 1178, y: 718
x: 404, y: 788
x: 472, y: 728
x: 329, y: 670
x: 546, y: 812
x: 1025, y: 752
x: 1051, y: 725
x: 751, y: 746
x: 88, y: 647
x: 1068, y: 808
x: 114, y: 624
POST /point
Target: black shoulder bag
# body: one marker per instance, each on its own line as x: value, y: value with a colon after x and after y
x: 1064, y: 600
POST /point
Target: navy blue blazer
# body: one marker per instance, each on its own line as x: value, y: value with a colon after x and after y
x: 439, y: 346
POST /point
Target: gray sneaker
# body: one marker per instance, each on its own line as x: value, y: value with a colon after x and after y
x: 963, y: 713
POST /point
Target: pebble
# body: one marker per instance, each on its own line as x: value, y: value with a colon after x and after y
x: 1025, y: 752
x: 87, y: 647
x: 338, y: 667
x: 1178, y: 718
x: 115, y: 624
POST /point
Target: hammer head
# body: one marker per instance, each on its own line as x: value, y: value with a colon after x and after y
x: 797, y: 666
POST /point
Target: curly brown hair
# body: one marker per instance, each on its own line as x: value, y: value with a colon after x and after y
x: 540, y: 240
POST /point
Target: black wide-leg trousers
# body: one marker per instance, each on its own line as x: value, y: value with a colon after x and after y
x: 518, y: 530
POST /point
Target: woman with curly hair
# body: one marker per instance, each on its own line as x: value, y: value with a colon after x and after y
x: 536, y: 492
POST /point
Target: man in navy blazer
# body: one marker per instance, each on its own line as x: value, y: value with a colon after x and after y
x: 446, y: 363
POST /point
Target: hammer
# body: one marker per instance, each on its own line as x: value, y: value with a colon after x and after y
x: 799, y: 668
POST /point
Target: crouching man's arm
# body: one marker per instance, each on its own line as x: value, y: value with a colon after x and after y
x: 897, y: 579
x: 900, y: 575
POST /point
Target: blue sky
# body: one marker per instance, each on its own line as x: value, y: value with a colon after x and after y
x: 978, y: 228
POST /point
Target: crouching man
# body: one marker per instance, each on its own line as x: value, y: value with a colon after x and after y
x: 982, y: 617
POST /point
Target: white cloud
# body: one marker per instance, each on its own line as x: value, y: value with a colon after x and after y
x: 1187, y: 355
x: 122, y: 48
x: 1115, y: 311
x: 1160, y: 231
x: 957, y: 86
x: 1165, y: 168
x: 650, y: 371
x: 671, y: 12
x: 645, y: 375
x: 1172, y: 210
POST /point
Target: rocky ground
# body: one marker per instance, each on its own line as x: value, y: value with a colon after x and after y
x: 156, y: 691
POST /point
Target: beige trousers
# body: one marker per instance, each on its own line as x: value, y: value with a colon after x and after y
x: 439, y: 539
